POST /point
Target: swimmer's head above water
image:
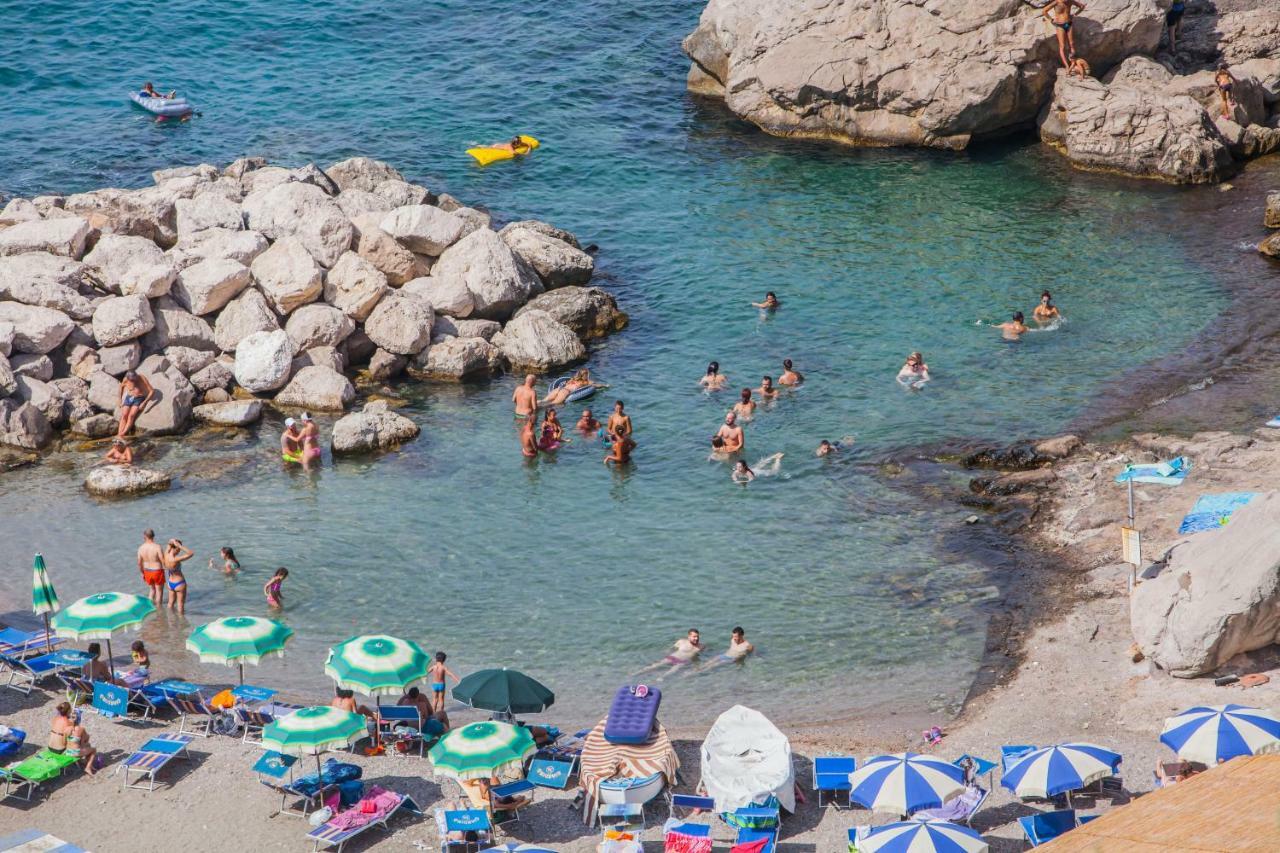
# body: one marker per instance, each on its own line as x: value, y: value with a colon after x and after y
x: 713, y: 368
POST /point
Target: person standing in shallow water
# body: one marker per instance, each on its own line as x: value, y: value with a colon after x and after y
x: 1015, y: 328
x: 1061, y: 14
x: 528, y: 441
x: 151, y: 564
x: 714, y: 380
x: 310, y: 442
x: 789, y: 374
x: 291, y: 443
x: 619, y: 421
x: 525, y: 397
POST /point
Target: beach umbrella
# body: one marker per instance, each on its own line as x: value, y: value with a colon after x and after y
x: 905, y: 782
x: 376, y: 664
x: 922, y: 836
x: 504, y: 690
x: 1212, y: 733
x: 97, y: 617
x: 1053, y: 770
x: 311, y: 731
x: 481, y: 750
x: 44, y: 600
x: 237, y: 640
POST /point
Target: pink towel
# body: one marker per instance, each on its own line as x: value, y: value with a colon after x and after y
x: 384, y: 803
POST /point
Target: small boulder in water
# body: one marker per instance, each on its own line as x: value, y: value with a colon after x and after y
x: 118, y: 480
x: 376, y: 427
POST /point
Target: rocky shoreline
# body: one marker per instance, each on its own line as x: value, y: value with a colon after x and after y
x: 255, y: 284
x: 953, y: 75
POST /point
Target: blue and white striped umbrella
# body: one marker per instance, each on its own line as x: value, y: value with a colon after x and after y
x: 905, y: 782
x: 922, y: 836
x: 1053, y: 770
x: 1212, y: 733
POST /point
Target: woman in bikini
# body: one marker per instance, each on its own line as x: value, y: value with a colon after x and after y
x: 175, y: 554
x: 552, y: 432
x: 746, y: 406
x: 714, y: 380
x: 68, y: 737
x: 135, y: 393
x: 1225, y: 83
x: 310, y: 442
x: 1046, y: 311
x: 1060, y: 14
x: 580, y: 380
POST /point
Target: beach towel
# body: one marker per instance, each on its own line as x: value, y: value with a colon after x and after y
x: 602, y: 760
x: 1212, y: 511
x: 1170, y: 473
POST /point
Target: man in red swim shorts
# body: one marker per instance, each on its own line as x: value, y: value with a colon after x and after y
x: 151, y: 564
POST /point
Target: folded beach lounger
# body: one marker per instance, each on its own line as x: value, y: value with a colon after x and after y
x: 632, y: 714
x: 517, y: 789
x: 831, y: 776
x: 34, y: 771
x: 1009, y: 755
x: 1043, y: 828
x: 150, y: 758
x: 346, y: 825
x: 253, y: 721
x: 959, y: 809
x: 26, y: 673
x: 19, y: 644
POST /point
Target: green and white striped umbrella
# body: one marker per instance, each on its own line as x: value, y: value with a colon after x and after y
x: 99, y: 616
x: 43, y: 597
x: 377, y: 665
x: 480, y: 750
x: 237, y: 640
x: 311, y: 731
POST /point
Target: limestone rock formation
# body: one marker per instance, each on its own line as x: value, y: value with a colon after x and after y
x: 317, y: 387
x: 120, y: 480
x: 589, y: 311
x: 499, y: 280
x: 237, y: 413
x: 536, y: 342
x: 376, y: 427
x: 263, y: 360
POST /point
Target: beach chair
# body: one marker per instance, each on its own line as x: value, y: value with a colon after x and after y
x: 26, y: 673
x: 34, y: 771
x: 13, y: 743
x: 547, y: 773
x: 959, y: 809
x: 566, y: 748
x: 981, y: 767
x: 1009, y: 755
x: 687, y: 838
x: 275, y: 771
x: 1046, y: 826
x: 253, y: 721
x: 193, y: 709
x: 392, y: 716
x: 336, y: 833
x: 750, y: 836
x: 150, y: 758
x: 79, y: 689
x: 831, y: 776
x: 463, y: 830
x: 113, y: 701
x: 20, y: 644
x: 516, y: 789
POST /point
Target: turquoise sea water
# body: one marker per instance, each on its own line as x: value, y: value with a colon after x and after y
x: 569, y: 570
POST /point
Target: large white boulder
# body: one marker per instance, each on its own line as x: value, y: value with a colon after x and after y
x: 208, y: 285
x: 62, y: 236
x: 536, y: 343
x: 236, y: 413
x: 354, y: 286
x: 1218, y: 594
x: 242, y: 246
x: 244, y: 315
x: 176, y: 326
x: 499, y: 280
x: 318, y: 325
x: 288, y: 275
x: 119, y: 360
x: 121, y: 319
x: 317, y: 387
x: 422, y: 228
x: 400, y: 193
x: 263, y: 360
x: 128, y: 265
x: 209, y: 209
x: 557, y: 263
x: 35, y: 329
x: 21, y: 210
x: 457, y: 359
x: 120, y: 480
x: 7, y: 333
x: 23, y: 425
x: 448, y: 296
x: 361, y: 173
x: 303, y: 211
x: 357, y: 202
x: 47, y: 281
x: 374, y: 428
x: 400, y: 324
x: 379, y: 248
x: 589, y: 311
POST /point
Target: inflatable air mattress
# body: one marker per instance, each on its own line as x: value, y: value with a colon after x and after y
x: 165, y: 107
x: 633, y: 714
x: 580, y: 394
x: 487, y: 154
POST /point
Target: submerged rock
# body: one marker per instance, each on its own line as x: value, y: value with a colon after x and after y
x: 118, y: 480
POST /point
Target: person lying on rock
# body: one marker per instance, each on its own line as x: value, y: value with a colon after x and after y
x: 120, y: 453
x: 1060, y: 14
x: 135, y: 393
x: 1226, y: 85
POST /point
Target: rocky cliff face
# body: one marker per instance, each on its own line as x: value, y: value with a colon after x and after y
x: 898, y: 72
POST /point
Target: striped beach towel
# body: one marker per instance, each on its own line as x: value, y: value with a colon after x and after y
x: 602, y: 760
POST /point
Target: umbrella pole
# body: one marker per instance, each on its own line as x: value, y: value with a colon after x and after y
x: 242, y: 674
x: 48, y: 640
x: 111, y: 670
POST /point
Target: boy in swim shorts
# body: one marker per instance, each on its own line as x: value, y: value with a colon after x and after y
x: 151, y: 564
x: 439, y: 672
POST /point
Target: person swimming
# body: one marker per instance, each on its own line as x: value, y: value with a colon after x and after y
x: 766, y: 389
x: 825, y: 448
x: 914, y: 373
x: 789, y: 374
x: 1046, y: 311
x: 1015, y: 328
x: 745, y: 407
x: 587, y: 424
x: 687, y: 649
x: 770, y: 303
x: 731, y: 433
x: 737, y: 651
x: 713, y: 380
x: 766, y: 467
x: 742, y: 473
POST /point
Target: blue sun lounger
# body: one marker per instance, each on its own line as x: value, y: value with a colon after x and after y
x: 26, y: 673
x: 150, y: 758
x: 327, y: 835
x: 27, y: 840
x: 19, y: 644
x: 831, y: 775
x: 1045, y: 827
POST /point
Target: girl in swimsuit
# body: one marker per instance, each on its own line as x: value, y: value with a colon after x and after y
x: 552, y: 432
x: 1225, y: 83
x: 275, y: 598
x: 310, y: 442
x: 1059, y: 13
x: 175, y: 554
x: 714, y: 380
x: 230, y: 565
x: 745, y: 407
x: 1046, y: 311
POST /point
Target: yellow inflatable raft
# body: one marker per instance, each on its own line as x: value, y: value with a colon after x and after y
x: 492, y: 154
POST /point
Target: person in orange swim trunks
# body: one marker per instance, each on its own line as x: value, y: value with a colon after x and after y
x: 151, y: 564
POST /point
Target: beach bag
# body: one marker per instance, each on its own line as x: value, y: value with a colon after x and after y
x: 351, y: 791
x: 223, y: 701
x: 226, y: 723
x: 320, y: 817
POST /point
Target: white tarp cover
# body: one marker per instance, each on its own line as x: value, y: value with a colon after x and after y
x: 745, y: 759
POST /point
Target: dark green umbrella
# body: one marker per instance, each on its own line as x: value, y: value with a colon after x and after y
x: 504, y: 690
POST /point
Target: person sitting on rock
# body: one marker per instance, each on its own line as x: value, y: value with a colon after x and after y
x: 1226, y: 84
x: 1079, y: 68
x: 135, y: 393
x: 120, y: 453
x: 1060, y: 14
x: 1173, y: 20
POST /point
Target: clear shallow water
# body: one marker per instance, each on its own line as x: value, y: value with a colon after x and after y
x: 564, y: 568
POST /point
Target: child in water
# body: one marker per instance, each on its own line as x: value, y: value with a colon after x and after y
x: 230, y: 565
x: 275, y: 597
